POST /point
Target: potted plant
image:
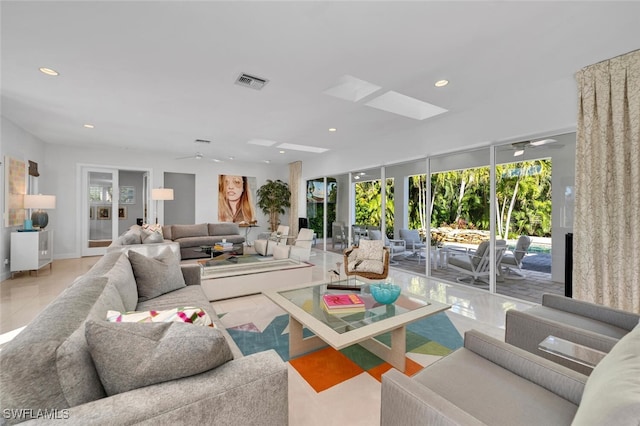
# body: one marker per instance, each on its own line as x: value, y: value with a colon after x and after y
x: 273, y: 197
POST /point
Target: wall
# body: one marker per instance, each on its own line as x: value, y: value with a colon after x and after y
x: 182, y: 208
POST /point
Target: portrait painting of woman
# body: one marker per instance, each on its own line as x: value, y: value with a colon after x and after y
x: 235, y: 202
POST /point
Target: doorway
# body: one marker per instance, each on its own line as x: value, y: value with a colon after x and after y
x: 113, y: 200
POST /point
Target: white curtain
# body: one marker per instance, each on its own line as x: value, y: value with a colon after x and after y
x: 295, y: 174
x: 606, y: 257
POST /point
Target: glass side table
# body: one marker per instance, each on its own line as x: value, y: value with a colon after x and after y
x: 571, y: 351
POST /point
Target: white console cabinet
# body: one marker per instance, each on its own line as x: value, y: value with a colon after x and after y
x: 30, y: 251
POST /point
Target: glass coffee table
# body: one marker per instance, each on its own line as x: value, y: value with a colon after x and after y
x: 304, y: 306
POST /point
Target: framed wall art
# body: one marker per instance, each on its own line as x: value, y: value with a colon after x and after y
x: 103, y: 212
x: 127, y: 195
x: 15, y: 188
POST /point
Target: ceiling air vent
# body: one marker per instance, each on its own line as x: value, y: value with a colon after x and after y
x: 202, y: 141
x: 247, y: 80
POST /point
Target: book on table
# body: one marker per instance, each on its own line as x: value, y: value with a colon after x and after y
x: 343, y: 303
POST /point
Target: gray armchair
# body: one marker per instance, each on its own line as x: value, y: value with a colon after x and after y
x: 588, y: 324
x: 490, y: 382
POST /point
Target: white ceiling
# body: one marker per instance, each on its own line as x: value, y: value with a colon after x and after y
x: 158, y: 75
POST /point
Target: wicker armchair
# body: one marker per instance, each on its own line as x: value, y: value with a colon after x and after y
x: 374, y: 267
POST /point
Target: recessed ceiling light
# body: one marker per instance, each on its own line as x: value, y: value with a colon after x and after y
x: 88, y: 126
x: 362, y: 173
x: 232, y: 158
x: 48, y: 71
x: 281, y: 151
x: 441, y: 83
x: 267, y: 161
x: 518, y: 153
x: 333, y: 129
x: 543, y: 142
x: 356, y: 177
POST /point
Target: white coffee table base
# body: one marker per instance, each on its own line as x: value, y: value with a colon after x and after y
x: 394, y: 355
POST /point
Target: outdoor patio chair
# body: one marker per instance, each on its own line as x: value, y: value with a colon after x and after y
x: 299, y: 250
x: 369, y: 260
x: 412, y: 240
x: 476, y: 265
x: 512, y: 260
x: 267, y: 241
x: 338, y: 235
x: 396, y: 247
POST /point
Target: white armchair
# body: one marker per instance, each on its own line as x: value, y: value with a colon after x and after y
x: 512, y: 261
x: 476, y: 265
x: 266, y: 242
x: 300, y: 250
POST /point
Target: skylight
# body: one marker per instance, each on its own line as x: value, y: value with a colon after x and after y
x: 406, y: 106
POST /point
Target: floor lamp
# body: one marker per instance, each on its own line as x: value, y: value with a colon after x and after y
x: 161, y: 194
x: 39, y: 217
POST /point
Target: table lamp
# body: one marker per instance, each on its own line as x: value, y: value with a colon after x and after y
x: 39, y: 217
x: 161, y: 194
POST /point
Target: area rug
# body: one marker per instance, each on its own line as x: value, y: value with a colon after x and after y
x: 435, y: 335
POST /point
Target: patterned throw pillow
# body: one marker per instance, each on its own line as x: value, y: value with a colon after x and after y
x: 150, y: 234
x: 187, y: 314
x: 371, y: 250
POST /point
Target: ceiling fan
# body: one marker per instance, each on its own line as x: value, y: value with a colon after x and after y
x: 519, y: 147
x: 198, y: 156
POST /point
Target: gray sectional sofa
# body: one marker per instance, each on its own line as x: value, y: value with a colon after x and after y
x: 60, y: 362
x: 490, y: 382
x: 191, y: 237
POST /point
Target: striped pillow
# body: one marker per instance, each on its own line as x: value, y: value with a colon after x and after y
x: 187, y: 314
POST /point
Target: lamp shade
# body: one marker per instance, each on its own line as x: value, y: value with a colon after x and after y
x: 161, y: 194
x: 39, y: 201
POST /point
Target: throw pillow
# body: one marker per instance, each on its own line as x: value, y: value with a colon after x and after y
x: 187, y: 314
x: 131, y: 237
x: 371, y: 250
x: 132, y: 355
x: 149, y: 236
x: 156, y: 275
x: 612, y: 392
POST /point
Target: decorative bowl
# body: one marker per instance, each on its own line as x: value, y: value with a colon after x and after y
x: 385, y: 293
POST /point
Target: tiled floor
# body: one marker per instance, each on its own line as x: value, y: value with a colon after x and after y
x: 353, y: 402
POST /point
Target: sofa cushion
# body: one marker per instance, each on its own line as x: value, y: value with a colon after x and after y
x: 188, y: 314
x: 224, y: 228
x: 477, y: 386
x: 183, y: 231
x: 29, y: 370
x: 612, y: 393
x: 76, y: 371
x: 156, y: 275
x: 121, y: 276
x: 195, y: 242
x: 132, y: 355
